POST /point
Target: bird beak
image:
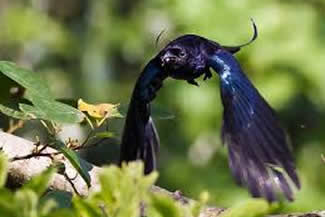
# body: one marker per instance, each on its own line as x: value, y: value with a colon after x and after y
x: 168, y: 58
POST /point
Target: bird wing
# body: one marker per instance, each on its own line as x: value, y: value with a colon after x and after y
x: 259, y: 155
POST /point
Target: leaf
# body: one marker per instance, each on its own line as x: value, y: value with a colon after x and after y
x: 26, y: 78
x: 81, y: 166
x: 45, y: 207
x: 104, y: 135
x: 14, y: 113
x: 32, y: 111
x: 7, y: 204
x: 87, y: 209
x: 63, y: 212
x: 126, y: 185
x: 249, y: 208
x: 165, y: 206
x: 26, y: 202
x: 99, y: 111
x: 197, y: 206
x: 56, y: 111
x: 3, y: 169
x: 62, y: 198
x: 45, y: 107
x: 40, y: 183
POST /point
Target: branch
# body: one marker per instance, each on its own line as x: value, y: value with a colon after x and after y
x: 21, y: 171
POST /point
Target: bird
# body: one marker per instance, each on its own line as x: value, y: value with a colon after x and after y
x: 260, y: 157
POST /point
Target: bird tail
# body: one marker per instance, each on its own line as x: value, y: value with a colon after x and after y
x: 140, y: 140
x: 259, y: 155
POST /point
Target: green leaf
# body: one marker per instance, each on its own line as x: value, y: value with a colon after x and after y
x: 197, y: 206
x: 57, y: 111
x: 45, y: 107
x: 32, y: 111
x: 14, y: 113
x: 81, y: 166
x: 104, y: 135
x: 63, y: 212
x: 7, y: 204
x: 87, y: 209
x: 165, y: 206
x: 26, y: 78
x: 46, y: 206
x: 3, y: 169
x: 40, y: 183
x: 126, y: 185
x: 62, y: 198
x: 26, y: 202
x: 249, y: 208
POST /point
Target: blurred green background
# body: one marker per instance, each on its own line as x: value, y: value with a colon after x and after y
x: 95, y: 50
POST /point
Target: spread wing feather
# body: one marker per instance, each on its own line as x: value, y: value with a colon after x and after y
x: 259, y: 156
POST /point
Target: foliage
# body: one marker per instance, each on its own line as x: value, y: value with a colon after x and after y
x: 51, y: 112
x: 95, y: 50
x: 45, y: 107
x: 124, y: 193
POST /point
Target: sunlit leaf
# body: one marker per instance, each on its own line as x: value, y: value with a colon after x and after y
x: 40, y: 183
x: 63, y: 212
x: 3, y: 169
x: 87, y: 209
x: 45, y: 207
x: 250, y: 208
x: 165, y: 205
x: 200, y: 204
x: 7, y: 203
x: 126, y: 185
x: 26, y: 202
x: 81, y: 166
x: 100, y: 112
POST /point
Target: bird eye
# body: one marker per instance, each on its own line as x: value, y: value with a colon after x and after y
x: 182, y: 54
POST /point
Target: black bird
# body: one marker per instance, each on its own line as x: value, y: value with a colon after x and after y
x: 259, y: 155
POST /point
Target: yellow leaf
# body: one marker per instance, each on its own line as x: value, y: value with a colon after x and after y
x: 101, y: 112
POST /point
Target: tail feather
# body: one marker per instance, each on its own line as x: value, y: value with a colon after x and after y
x: 151, y: 146
x: 140, y: 140
x: 257, y: 144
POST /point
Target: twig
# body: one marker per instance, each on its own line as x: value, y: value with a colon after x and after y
x: 71, y: 183
x: 15, y: 126
x: 34, y: 155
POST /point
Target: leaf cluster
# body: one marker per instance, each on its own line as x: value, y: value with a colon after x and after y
x: 124, y: 192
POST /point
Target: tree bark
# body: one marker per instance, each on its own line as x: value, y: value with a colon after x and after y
x: 20, y: 171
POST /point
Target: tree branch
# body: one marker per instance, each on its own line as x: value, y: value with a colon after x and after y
x: 22, y: 170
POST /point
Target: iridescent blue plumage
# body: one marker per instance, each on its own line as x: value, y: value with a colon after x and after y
x: 259, y: 156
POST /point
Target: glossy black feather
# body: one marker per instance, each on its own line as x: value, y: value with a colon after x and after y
x: 140, y: 140
x: 257, y: 145
x: 259, y: 155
